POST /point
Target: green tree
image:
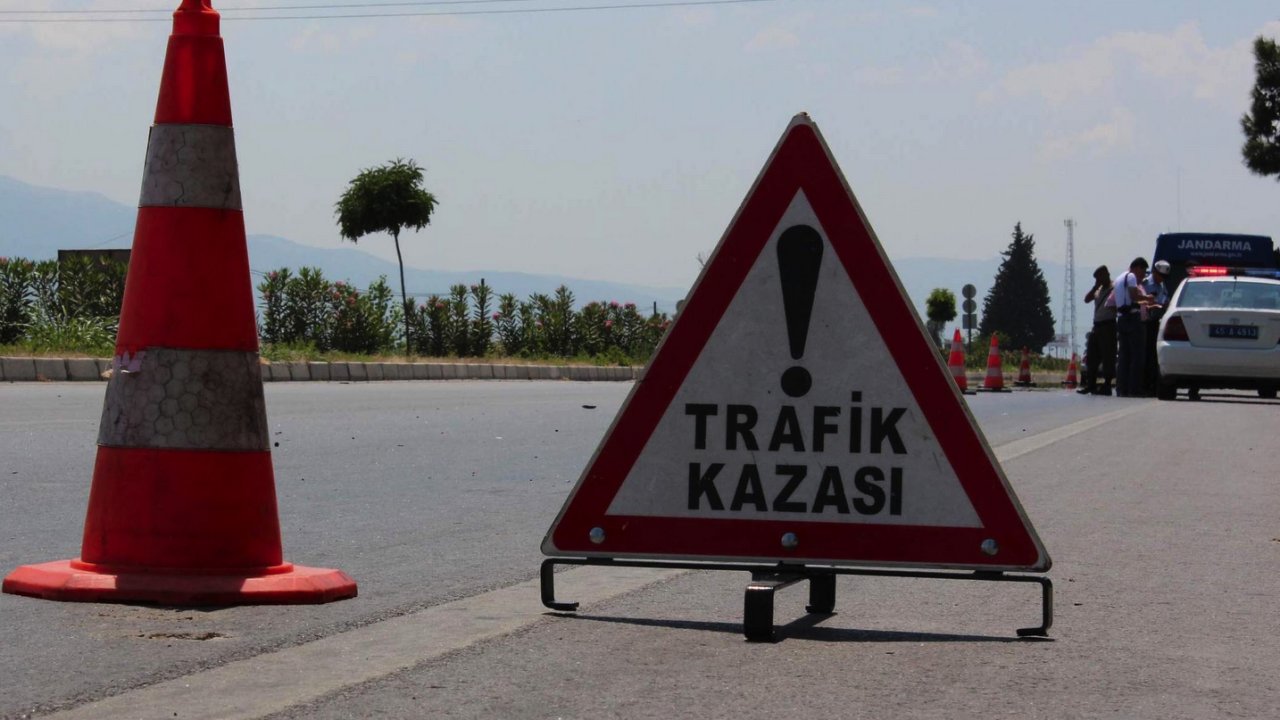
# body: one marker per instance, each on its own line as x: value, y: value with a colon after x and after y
x: 1017, y: 306
x: 387, y: 199
x: 1261, y: 124
x: 940, y: 307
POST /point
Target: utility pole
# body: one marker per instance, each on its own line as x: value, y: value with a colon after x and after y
x: 1069, y: 297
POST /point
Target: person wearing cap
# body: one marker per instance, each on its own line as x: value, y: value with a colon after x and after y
x: 1154, y: 286
x: 1100, y: 346
x: 1130, y: 329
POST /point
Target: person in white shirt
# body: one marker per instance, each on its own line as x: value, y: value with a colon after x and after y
x: 1130, y: 299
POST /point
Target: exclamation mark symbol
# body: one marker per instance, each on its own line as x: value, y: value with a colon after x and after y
x: 799, y: 257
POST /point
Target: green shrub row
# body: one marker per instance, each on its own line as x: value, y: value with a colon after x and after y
x: 74, y: 306
x: 306, y: 309
x: 68, y: 306
x: 470, y: 321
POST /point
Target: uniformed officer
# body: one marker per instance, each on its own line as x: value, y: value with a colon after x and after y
x: 1153, y: 286
x: 1130, y: 329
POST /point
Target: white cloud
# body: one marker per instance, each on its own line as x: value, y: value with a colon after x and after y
x: 879, y: 76
x: 960, y: 60
x: 695, y: 16
x: 330, y: 39
x: 773, y: 38
x: 779, y: 36
x: 438, y: 24
x: 53, y: 58
x: 314, y: 38
x: 75, y: 40
x: 1101, y: 139
x: 1181, y: 59
x: 818, y: 69
x: 923, y: 11
x: 1085, y: 74
x: 1184, y: 56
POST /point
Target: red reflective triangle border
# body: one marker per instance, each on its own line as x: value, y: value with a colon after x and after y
x: 801, y: 161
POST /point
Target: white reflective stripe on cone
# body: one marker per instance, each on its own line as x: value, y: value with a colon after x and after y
x: 185, y: 399
x: 191, y: 166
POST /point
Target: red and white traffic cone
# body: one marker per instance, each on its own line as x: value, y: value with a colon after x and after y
x: 182, y: 510
x: 994, y: 381
x: 1024, y: 371
x: 955, y: 362
x: 1071, y: 382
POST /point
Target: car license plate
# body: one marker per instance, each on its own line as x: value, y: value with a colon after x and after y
x: 1238, y: 332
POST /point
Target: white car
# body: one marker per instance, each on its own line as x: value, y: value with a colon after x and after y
x: 1221, y: 330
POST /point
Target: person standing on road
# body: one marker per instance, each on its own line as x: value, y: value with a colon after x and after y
x: 1130, y: 329
x: 1154, y: 286
x: 1100, y: 347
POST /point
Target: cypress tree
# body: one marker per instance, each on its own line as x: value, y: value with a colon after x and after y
x: 1261, y: 124
x: 1017, y: 305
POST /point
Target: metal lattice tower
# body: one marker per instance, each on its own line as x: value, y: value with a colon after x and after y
x: 1069, y: 289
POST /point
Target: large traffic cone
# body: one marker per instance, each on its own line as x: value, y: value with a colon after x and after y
x: 994, y: 381
x: 955, y: 362
x: 1070, y: 382
x: 1024, y: 371
x: 183, y: 507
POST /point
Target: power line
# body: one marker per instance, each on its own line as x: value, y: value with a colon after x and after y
x: 446, y: 13
x: 113, y: 238
x: 261, y: 8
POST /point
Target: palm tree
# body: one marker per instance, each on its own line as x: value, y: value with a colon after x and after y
x: 386, y: 199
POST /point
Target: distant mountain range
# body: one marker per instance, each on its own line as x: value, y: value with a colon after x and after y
x: 35, y: 222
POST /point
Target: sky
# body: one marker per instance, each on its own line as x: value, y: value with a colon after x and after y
x: 617, y: 144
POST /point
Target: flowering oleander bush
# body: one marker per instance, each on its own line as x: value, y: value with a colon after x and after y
x: 305, y: 310
x: 308, y: 310
x: 367, y: 323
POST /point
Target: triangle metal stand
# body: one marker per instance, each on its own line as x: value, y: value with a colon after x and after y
x: 757, y: 604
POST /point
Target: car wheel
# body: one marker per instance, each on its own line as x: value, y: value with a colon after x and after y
x: 1267, y: 393
x: 1167, y: 391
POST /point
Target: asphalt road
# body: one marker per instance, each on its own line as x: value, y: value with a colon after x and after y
x: 1160, y: 519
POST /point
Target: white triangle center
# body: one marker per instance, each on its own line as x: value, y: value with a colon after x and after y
x: 854, y: 449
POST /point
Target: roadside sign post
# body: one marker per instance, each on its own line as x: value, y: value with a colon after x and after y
x: 969, y: 306
x: 797, y: 423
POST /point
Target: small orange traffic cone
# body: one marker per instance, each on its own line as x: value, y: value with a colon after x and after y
x: 182, y: 509
x: 955, y: 362
x: 1024, y: 371
x: 1070, y: 382
x: 994, y: 381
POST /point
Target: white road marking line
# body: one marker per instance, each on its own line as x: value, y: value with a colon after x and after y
x: 275, y: 681
x: 1022, y: 446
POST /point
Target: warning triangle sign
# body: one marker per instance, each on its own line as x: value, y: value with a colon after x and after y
x: 796, y: 410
